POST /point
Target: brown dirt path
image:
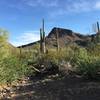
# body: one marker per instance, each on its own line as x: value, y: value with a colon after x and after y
x: 57, y: 88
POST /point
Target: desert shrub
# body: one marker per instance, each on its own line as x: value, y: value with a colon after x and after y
x: 79, y: 53
x: 70, y: 51
x: 12, y: 69
x: 58, y: 57
x: 51, y: 60
x: 4, y: 49
x: 86, y: 64
x: 44, y: 59
x: 94, y: 49
x: 89, y: 67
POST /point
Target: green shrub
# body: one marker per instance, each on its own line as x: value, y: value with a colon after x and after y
x: 12, y: 69
x: 12, y: 65
x: 88, y: 65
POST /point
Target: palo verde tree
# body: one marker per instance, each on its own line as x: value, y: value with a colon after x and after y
x: 4, y: 49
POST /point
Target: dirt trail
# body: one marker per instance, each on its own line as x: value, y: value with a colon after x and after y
x: 57, y: 88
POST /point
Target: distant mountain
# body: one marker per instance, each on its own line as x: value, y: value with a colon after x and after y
x: 66, y: 36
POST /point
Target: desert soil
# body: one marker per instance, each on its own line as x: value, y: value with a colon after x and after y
x: 54, y: 87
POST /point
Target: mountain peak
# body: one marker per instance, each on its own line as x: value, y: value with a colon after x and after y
x: 61, y: 32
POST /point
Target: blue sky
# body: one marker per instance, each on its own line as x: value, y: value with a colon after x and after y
x: 22, y: 18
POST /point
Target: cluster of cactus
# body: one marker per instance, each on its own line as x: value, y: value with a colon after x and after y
x: 42, y: 39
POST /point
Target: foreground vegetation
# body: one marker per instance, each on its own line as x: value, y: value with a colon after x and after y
x: 17, y: 63
x: 12, y: 67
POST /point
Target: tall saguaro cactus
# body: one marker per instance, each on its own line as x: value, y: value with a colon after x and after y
x: 42, y: 39
x: 94, y: 28
x: 57, y: 39
x: 98, y: 33
x: 98, y: 26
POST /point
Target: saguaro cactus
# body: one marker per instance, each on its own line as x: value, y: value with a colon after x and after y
x: 98, y: 33
x: 57, y: 39
x: 94, y: 28
x: 98, y: 26
x: 42, y: 39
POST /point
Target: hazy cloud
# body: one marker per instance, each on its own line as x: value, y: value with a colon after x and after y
x: 42, y: 3
x: 27, y: 37
x: 97, y: 5
x: 59, y: 7
x: 76, y: 6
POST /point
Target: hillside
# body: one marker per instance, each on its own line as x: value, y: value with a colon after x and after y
x: 66, y: 36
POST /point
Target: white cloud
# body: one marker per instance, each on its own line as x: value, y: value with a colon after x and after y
x: 31, y: 3
x: 16, y: 43
x: 60, y: 7
x: 49, y: 3
x: 76, y: 6
x: 97, y: 5
x: 25, y: 38
x: 30, y: 36
x: 80, y: 6
x: 42, y: 3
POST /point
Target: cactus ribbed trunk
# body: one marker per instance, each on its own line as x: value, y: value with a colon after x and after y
x: 42, y: 39
x: 98, y: 33
x: 44, y: 45
x: 57, y: 39
x: 98, y: 26
x: 41, y: 48
x: 94, y: 28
